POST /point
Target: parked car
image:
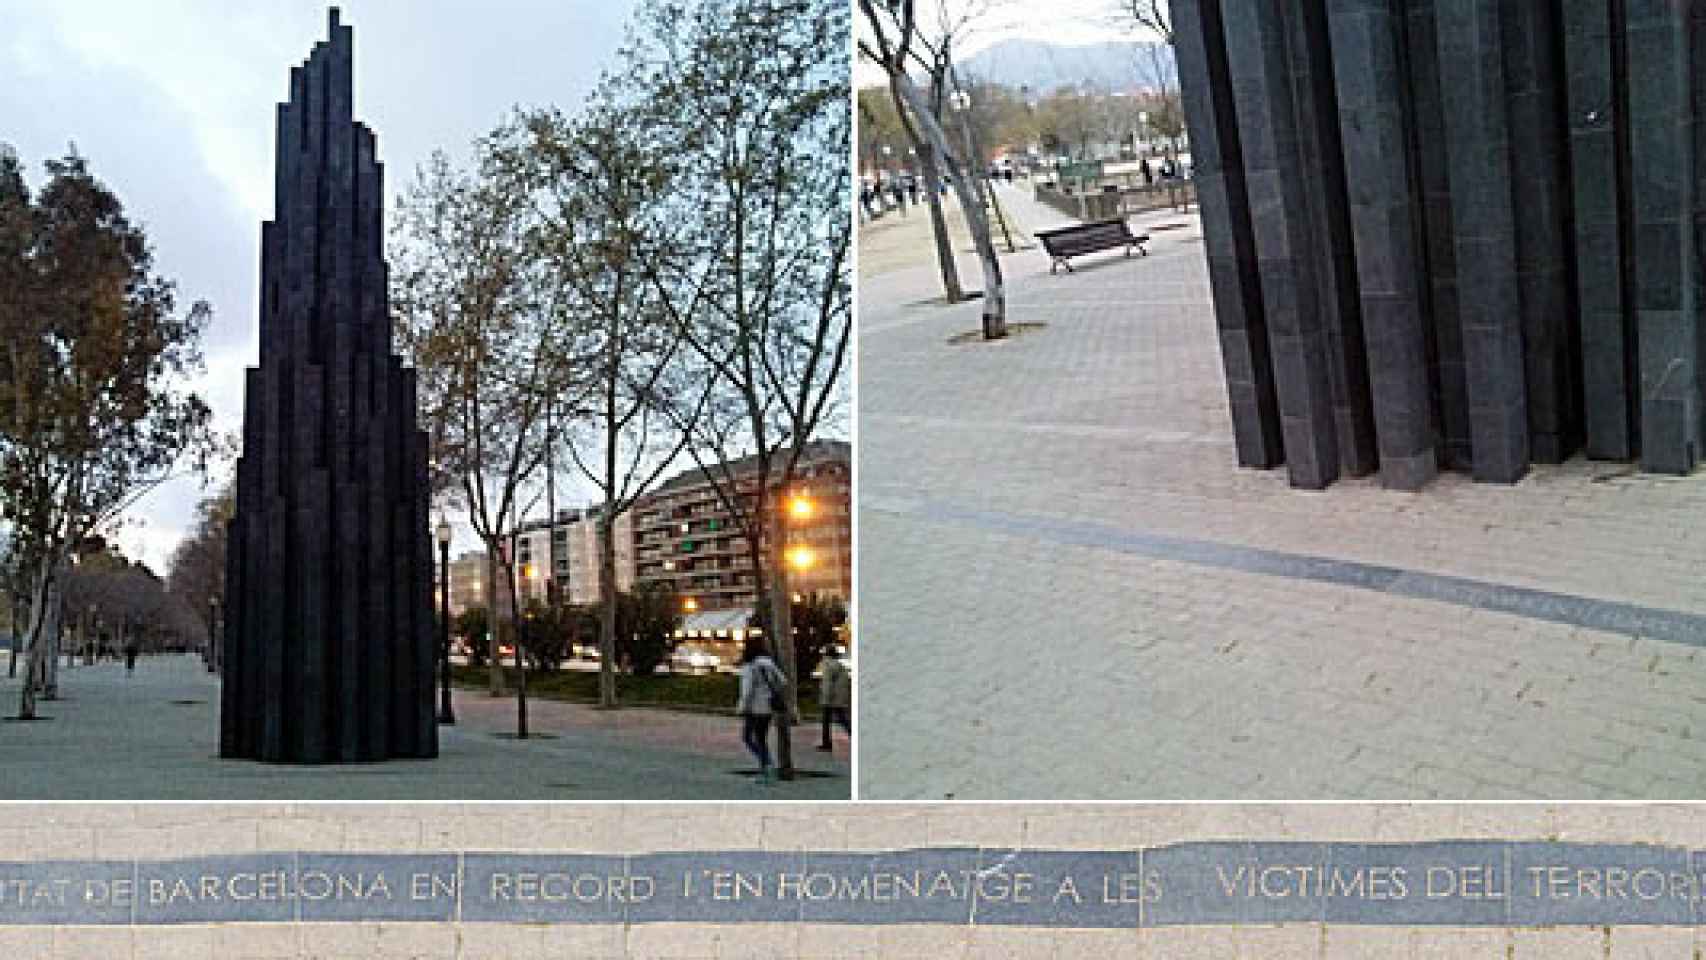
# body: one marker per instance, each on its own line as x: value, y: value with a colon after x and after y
x: 687, y: 659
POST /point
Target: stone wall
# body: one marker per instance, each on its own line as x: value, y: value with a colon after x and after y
x: 1453, y: 234
x: 106, y: 832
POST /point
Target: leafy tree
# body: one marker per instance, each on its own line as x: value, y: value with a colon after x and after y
x: 601, y: 184
x: 818, y: 618
x: 473, y: 318
x: 650, y: 615
x: 755, y: 94
x: 546, y: 631
x: 471, y: 625
x: 196, y: 575
x: 91, y: 349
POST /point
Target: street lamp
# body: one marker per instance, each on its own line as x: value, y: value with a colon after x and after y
x: 801, y: 557
x: 213, y: 633
x: 446, y: 715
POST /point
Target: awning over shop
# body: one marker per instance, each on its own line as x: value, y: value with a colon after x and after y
x: 716, y: 624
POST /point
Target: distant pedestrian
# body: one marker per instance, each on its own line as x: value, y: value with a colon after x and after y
x: 1148, y: 173
x: 761, y: 697
x: 1007, y: 174
x: 912, y: 190
x: 899, y: 194
x: 835, y: 699
x: 130, y: 653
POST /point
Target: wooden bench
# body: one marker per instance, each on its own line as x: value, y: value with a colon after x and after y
x: 1083, y: 238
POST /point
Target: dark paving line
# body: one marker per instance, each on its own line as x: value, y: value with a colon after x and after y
x: 1607, y: 615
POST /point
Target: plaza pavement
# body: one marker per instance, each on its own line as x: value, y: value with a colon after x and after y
x: 154, y: 736
x: 1068, y: 589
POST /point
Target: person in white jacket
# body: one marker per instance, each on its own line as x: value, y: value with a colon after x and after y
x: 761, y: 687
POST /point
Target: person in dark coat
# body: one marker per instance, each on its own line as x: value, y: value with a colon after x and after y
x: 130, y: 653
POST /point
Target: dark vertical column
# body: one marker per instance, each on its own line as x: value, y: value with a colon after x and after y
x: 1216, y: 156
x: 1321, y: 172
x: 1261, y: 79
x: 1540, y: 202
x: 1366, y: 39
x: 376, y: 668
x: 329, y: 658
x: 1666, y: 271
x: 1448, y: 379
x: 1698, y: 70
x: 1477, y: 150
x: 1597, y: 111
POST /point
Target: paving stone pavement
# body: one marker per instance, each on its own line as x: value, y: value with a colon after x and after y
x: 1001, y: 658
x: 154, y: 736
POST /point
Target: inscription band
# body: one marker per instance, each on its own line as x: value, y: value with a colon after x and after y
x: 1446, y: 882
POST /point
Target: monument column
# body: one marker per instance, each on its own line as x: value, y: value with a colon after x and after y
x: 1598, y: 110
x: 1218, y: 171
x: 1667, y: 273
x: 328, y: 632
x: 1477, y: 154
x: 1366, y: 36
x: 1260, y: 72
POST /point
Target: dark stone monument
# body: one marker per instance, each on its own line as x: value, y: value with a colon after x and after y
x: 328, y: 634
x: 1459, y: 234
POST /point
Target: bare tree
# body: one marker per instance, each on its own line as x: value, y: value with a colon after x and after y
x: 470, y: 317
x: 894, y: 43
x: 759, y: 281
x: 1152, y: 15
x: 597, y: 186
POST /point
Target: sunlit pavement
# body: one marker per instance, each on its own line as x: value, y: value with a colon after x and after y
x: 1069, y: 590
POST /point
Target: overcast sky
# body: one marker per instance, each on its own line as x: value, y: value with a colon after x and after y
x: 172, y: 103
x: 1068, y: 22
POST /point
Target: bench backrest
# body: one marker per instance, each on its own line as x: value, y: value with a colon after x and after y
x: 1099, y: 235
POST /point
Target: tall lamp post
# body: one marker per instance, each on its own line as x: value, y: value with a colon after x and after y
x: 446, y: 715
x: 213, y: 634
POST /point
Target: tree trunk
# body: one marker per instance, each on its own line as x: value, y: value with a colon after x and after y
x: 53, y: 633
x: 515, y: 640
x: 32, y: 661
x: 607, y: 609
x: 994, y: 293
x: 782, y: 644
x: 494, y: 661
x: 951, y: 288
x: 17, y: 639
x: 939, y: 226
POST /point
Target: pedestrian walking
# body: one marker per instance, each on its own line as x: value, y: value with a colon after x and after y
x: 912, y: 190
x: 835, y: 701
x: 130, y: 653
x: 1148, y: 173
x: 761, y: 697
x: 899, y: 193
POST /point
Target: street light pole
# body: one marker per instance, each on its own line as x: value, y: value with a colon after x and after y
x: 446, y: 715
x: 213, y: 634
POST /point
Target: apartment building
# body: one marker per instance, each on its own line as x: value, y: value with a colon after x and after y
x: 687, y: 538
x: 577, y: 569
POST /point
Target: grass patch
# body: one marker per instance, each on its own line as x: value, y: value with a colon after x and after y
x: 698, y: 693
